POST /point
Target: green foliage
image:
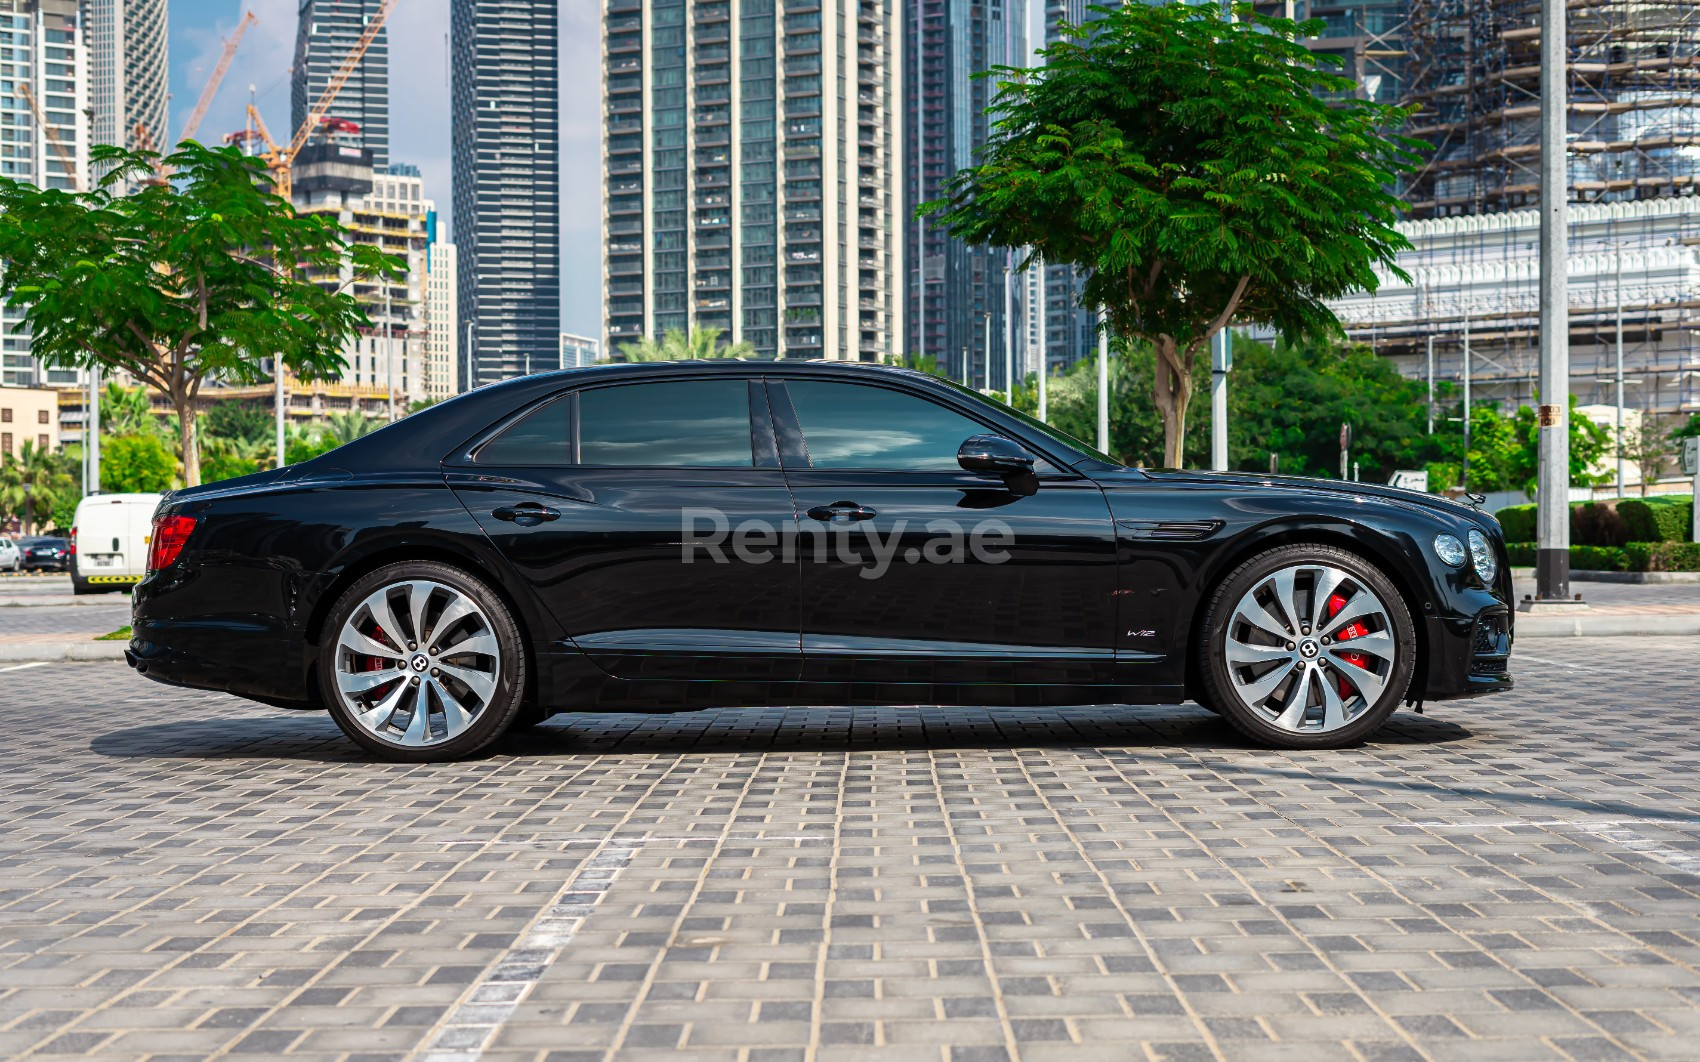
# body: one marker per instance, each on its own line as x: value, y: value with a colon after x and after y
x: 675, y: 345
x: 1663, y: 556
x: 1582, y: 558
x: 137, y: 463
x: 177, y: 282
x: 1691, y: 428
x: 127, y: 411
x: 35, y: 484
x: 1517, y: 521
x: 227, y: 457
x: 1660, y: 518
x: 1503, y: 452
x: 303, y: 444
x: 349, y: 426
x: 1198, y: 169
x: 1291, y: 399
x: 240, y: 420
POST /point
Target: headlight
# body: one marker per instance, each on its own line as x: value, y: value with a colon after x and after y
x: 1481, y: 554
x: 1449, y: 550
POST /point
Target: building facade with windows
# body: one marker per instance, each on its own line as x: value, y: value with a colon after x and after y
x: 955, y: 294
x: 326, y: 31
x: 579, y: 351
x: 505, y: 104
x: 442, y: 322
x: 42, y: 45
x: 128, y: 81
x: 753, y: 173
x: 28, y: 415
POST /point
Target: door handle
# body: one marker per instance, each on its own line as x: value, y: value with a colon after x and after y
x: 843, y: 511
x: 526, y: 514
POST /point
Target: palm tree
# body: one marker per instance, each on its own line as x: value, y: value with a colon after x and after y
x: 127, y: 411
x: 349, y: 426
x: 34, y: 481
x: 676, y: 345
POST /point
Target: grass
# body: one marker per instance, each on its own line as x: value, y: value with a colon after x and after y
x: 122, y: 634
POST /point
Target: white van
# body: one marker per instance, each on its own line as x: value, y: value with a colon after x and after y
x: 109, y: 541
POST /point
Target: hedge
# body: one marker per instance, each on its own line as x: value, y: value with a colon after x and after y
x: 1663, y: 556
x: 1635, y: 557
x: 1518, y: 522
x: 1662, y: 518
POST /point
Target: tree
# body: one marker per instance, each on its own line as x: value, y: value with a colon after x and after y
x: 1504, y: 449
x: 303, y: 444
x: 1199, y: 170
x: 240, y: 420
x: 179, y: 282
x: 1651, y: 447
x: 227, y: 457
x: 675, y: 345
x: 137, y: 463
x: 34, y: 483
x: 347, y: 427
x: 127, y: 411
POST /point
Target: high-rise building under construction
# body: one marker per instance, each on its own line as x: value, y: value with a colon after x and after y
x: 325, y: 33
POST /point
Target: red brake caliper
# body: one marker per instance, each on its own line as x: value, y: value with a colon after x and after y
x: 1353, y: 630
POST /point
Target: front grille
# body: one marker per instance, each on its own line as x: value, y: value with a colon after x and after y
x: 1491, y: 645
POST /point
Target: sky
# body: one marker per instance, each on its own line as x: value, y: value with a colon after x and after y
x: 419, y: 109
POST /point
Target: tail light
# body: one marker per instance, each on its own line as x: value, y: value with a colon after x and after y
x: 170, y: 533
x: 72, y: 550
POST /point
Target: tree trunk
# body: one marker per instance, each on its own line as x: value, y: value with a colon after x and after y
x: 185, y: 405
x: 1174, y: 395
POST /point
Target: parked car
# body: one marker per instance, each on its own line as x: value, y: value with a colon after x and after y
x: 662, y: 537
x: 43, y: 553
x: 109, y: 541
x: 11, y: 557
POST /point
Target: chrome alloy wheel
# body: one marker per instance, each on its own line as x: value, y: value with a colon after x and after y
x: 1310, y: 648
x: 416, y: 662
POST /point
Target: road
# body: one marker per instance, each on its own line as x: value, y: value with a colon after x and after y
x: 1519, y: 877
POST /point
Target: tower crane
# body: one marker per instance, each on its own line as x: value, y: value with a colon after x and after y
x: 52, y: 136
x: 223, y: 66
x: 281, y: 158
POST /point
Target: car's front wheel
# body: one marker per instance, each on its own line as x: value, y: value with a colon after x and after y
x: 422, y: 662
x: 1307, y: 646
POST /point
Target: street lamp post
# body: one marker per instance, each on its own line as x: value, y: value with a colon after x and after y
x: 1044, y: 366
x: 465, y: 383
x: 277, y: 374
x: 1104, y: 383
x: 1618, y: 271
x: 1552, y: 544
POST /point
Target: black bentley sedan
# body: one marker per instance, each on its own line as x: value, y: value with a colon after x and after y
x: 664, y: 537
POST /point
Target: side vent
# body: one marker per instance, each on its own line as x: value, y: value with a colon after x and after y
x: 1172, y: 530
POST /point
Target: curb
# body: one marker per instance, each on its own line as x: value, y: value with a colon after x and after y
x: 1582, y: 625
x: 1577, y: 575
x: 58, y: 652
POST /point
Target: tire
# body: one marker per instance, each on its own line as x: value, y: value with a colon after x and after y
x: 81, y: 586
x: 469, y: 673
x: 1327, y: 684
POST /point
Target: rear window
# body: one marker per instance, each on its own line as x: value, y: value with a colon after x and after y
x: 683, y: 424
x: 542, y: 437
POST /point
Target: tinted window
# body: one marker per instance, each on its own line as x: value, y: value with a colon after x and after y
x: 690, y: 424
x: 856, y: 426
x: 542, y: 437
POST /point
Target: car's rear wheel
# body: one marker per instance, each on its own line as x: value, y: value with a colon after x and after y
x: 1307, y: 646
x: 423, y: 662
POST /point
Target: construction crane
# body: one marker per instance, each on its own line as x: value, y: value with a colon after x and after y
x: 52, y: 136
x: 280, y: 159
x: 230, y: 45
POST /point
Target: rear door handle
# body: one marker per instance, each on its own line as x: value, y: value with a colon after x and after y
x: 526, y: 514
x: 842, y: 511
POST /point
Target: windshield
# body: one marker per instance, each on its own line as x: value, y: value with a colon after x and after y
x: 1039, y: 426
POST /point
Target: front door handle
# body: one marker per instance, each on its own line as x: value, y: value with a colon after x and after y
x: 841, y: 511
x: 526, y: 514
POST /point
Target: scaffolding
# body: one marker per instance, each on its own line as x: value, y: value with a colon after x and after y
x: 1633, y: 75
x: 1634, y: 273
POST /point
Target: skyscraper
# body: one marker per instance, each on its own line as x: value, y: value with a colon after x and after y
x: 128, y: 83
x: 955, y: 292
x: 42, y: 46
x: 505, y: 104
x: 325, y: 33
x: 754, y: 169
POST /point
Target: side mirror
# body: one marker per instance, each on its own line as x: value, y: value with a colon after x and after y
x: 994, y: 455
x: 998, y: 456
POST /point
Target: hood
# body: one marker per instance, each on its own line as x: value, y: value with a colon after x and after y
x: 1331, y: 487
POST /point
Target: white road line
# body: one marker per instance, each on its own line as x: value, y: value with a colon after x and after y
x: 1687, y: 862
x: 467, y: 1030
x: 20, y: 667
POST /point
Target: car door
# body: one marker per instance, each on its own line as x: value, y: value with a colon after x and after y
x: 917, y: 571
x: 623, y: 506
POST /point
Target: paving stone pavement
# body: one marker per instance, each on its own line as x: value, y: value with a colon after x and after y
x: 185, y: 875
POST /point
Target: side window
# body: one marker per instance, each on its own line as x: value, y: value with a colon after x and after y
x: 857, y: 426
x: 542, y: 437
x: 684, y: 424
